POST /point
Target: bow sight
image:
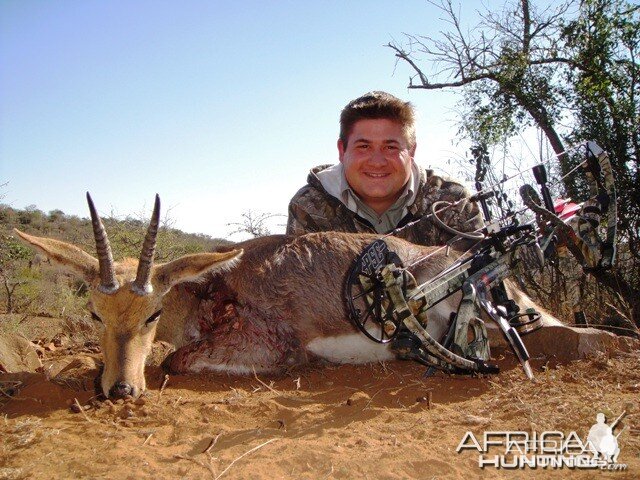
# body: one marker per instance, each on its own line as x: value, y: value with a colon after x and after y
x: 388, y: 306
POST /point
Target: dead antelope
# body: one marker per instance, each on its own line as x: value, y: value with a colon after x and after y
x: 279, y: 305
x: 127, y: 297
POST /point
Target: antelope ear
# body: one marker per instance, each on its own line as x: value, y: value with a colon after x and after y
x: 67, y: 257
x: 191, y: 268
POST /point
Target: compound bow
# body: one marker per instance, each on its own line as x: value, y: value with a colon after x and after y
x: 386, y: 303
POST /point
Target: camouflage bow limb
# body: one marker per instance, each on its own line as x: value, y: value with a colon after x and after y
x: 582, y: 238
x: 602, y: 188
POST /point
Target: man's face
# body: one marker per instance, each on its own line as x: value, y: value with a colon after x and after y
x: 377, y: 161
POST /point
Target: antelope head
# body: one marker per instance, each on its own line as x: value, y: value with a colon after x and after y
x: 126, y: 297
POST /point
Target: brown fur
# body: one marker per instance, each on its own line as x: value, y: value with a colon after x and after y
x: 279, y: 305
x: 286, y: 293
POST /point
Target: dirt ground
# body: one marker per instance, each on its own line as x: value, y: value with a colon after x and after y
x: 382, y: 421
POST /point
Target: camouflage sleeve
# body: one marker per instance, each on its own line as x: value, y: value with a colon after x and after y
x: 301, y: 219
x: 296, y: 224
x: 465, y: 216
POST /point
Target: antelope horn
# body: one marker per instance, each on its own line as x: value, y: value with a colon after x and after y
x: 108, y: 282
x: 142, y: 284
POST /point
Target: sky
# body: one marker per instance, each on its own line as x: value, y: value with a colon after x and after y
x: 220, y: 107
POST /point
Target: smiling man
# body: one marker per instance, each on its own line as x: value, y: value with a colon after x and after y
x: 377, y: 187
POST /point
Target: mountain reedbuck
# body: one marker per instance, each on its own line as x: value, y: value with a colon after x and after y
x: 259, y: 306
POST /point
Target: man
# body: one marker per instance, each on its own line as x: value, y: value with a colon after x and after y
x: 377, y: 187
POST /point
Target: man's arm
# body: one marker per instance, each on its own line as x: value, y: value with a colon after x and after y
x: 299, y: 221
x: 313, y: 210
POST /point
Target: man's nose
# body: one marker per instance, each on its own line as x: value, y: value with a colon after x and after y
x: 377, y: 157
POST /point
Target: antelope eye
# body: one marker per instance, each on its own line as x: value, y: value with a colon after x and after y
x: 96, y: 317
x: 153, y: 317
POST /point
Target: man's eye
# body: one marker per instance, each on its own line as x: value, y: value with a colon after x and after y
x: 96, y: 317
x: 153, y: 317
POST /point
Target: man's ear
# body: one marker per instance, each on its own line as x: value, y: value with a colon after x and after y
x: 412, y: 151
x: 67, y: 257
x: 341, y: 148
x: 190, y: 268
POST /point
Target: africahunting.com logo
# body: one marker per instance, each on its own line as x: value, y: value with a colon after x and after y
x: 548, y: 449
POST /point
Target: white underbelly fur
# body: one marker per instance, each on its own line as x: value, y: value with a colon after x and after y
x: 352, y: 348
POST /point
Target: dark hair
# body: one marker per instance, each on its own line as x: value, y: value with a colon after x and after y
x: 378, y: 104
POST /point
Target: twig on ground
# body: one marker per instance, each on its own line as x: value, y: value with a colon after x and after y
x: 196, y: 461
x: 264, y: 384
x: 164, y: 384
x: 497, y: 385
x: 84, y: 414
x: 243, y: 455
x: 374, y: 396
x: 147, y: 439
x: 212, y: 443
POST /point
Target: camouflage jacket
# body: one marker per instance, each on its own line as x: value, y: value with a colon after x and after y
x: 312, y: 209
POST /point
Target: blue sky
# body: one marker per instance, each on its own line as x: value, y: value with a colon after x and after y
x: 220, y: 107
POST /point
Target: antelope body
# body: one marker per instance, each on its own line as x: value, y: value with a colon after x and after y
x: 281, y: 306
x: 262, y: 305
x: 270, y: 303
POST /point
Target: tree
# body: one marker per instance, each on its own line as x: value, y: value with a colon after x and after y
x: 13, y: 256
x: 507, y: 65
x: 605, y: 41
x: 253, y: 223
x: 570, y: 69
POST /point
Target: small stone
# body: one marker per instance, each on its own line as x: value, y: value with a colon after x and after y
x: 475, y: 420
x: 75, y: 408
x: 358, y: 399
x: 127, y: 412
x: 140, y: 401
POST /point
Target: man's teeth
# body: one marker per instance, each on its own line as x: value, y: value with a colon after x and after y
x: 377, y: 175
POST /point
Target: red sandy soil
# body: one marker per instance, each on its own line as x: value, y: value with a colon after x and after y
x: 382, y: 421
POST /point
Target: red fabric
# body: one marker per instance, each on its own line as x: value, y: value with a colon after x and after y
x: 565, y: 209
